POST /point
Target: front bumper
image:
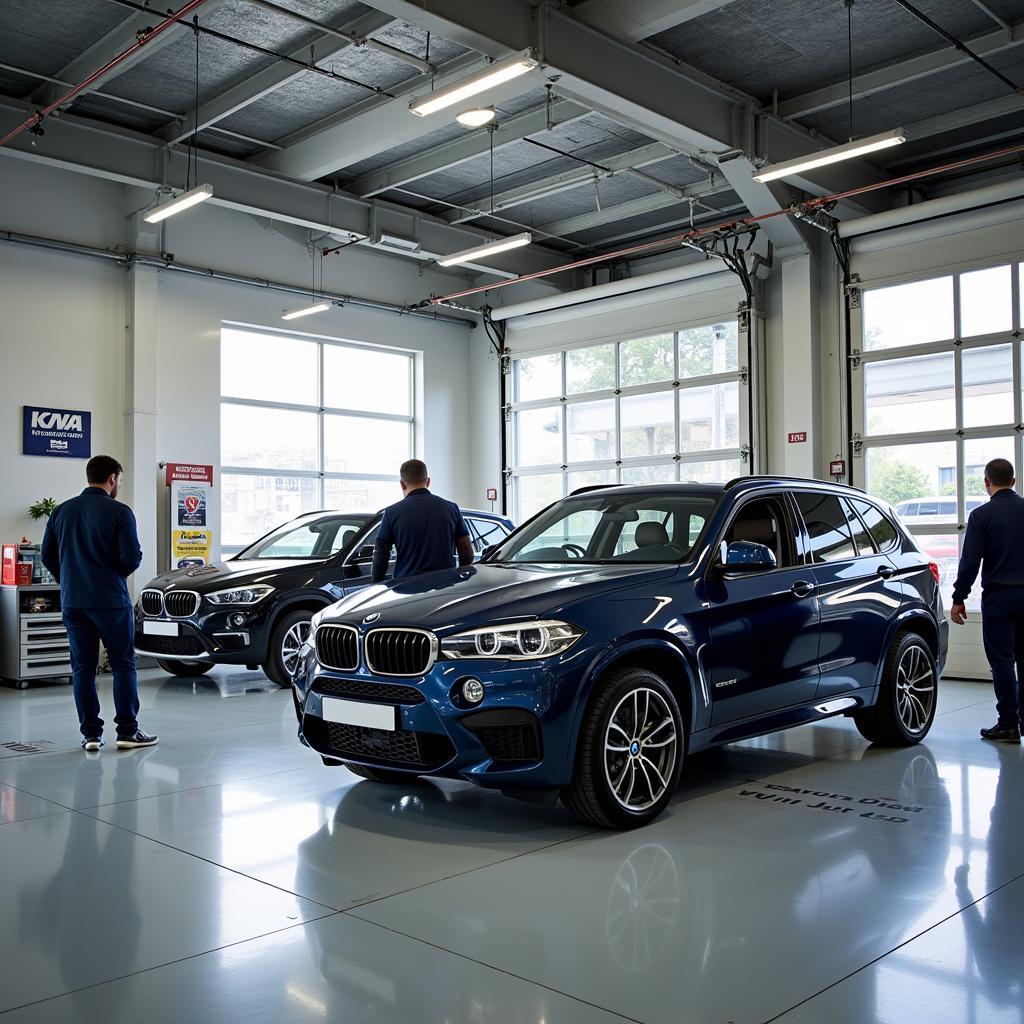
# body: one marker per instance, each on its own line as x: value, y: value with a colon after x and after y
x: 522, y: 735
x: 207, y: 636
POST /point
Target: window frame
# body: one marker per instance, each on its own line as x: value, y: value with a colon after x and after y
x: 677, y: 385
x: 322, y: 411
x: 797, y: 537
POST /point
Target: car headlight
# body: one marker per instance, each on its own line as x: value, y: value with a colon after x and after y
x: 240, y: 595
x: 518, y: 641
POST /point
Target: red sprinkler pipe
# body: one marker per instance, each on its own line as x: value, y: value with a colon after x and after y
x: 144, y: 37
x: 688, y: 236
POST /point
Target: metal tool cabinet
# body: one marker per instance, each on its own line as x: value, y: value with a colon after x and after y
x: 33, y: 644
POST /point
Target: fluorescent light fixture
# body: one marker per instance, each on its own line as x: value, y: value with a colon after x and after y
x: 186, y: 200
x: 493, y: 75
x: 477, y: 117
x: 847, y: 151
x: 487, y: 249
x: 317, y: 307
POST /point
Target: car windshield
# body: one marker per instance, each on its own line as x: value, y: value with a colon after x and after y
x: 312, y: 539
x: 611, y: 527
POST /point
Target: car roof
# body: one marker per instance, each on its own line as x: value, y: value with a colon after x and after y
x: 370, y: 515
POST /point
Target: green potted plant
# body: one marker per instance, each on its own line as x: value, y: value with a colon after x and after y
x: 42, y: 509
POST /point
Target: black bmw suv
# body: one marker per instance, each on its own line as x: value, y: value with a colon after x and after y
x: 255, y: 608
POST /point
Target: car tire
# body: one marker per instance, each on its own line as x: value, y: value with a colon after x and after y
x: 905, y: 708
x: 185, y: 668
x: 287, y: 635
x: 380, y: 774
x: 636, y: 708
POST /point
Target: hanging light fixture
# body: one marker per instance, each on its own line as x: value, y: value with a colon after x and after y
x: 490, y: 77
x: 848, y: 150
x: 197, y: 193
x: 476, y: 117
x: 320, y: 305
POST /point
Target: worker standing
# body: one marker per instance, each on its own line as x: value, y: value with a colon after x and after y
x: 995, y: 543
x: 426, y: 529
x: 91, y: 546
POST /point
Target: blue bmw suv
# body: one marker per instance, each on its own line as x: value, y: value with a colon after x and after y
x: 623, y: 628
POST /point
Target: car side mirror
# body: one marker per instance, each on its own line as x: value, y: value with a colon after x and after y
x: 488, y: 551
x: 744, y: 556
x: 366, y: 551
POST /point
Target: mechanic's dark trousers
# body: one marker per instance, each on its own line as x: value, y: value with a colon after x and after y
x: 116, y: 628
x: 1002, y: 628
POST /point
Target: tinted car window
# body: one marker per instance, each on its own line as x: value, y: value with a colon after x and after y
x: 928, y: 508
x: 826, y: 526
x: 882, y: 531
x: 485, y: 532
x: 763, y: 521
x: 861, y: 536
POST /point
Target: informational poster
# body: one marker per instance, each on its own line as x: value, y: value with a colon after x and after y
x: 65, y: 433
x: 191, y: 493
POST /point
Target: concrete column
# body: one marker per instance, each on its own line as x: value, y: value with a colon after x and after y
x: 142, y: 487
x: 799, y: 367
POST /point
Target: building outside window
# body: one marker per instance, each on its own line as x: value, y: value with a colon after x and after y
x: 308, y: 424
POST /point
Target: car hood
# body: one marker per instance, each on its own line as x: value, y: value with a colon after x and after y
x: 218, y: 575
x: 490, y: 593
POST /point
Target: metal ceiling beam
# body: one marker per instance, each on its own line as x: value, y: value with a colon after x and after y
x: 555, y: 184
x: 640, y: 19
x: 472, y: 145
x: 263, y: 83
x: 378, y: 126
x: 965, y: 117
x: 117, y: 155
x: 105, y: 49
x: 901, y: 73
x: 631, y: 208
x: 637, y: 88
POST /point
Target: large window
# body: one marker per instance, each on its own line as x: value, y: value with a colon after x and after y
x: 640, y: 410
x: 308, y: 424
x: 938, y: 394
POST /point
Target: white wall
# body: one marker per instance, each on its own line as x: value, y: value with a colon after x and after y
x: 64, y: 336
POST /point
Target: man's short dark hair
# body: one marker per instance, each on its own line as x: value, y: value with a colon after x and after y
x: 999, y: 473
x: 414, y: 472
x: 101, y: 468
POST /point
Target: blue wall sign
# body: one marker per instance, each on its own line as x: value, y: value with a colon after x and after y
x: 61, y: 432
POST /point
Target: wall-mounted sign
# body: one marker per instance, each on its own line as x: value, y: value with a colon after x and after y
x: 188, y: 472
x: 798, y: 437
x: 66, y: 433
x: 191, y: 491
x: 837, y: 467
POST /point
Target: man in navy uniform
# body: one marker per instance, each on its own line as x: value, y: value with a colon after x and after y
x: 91, y: 546
x: 426, y: 529
x: 995, y: 543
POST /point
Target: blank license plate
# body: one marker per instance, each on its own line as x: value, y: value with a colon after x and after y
x: 160, y: 628
x: 354, y: 712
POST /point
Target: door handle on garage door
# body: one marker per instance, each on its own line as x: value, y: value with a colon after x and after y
x: 802, y: 588
x: 886, y: 571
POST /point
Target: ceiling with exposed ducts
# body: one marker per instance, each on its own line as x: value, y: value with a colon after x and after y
x: 645, y: 115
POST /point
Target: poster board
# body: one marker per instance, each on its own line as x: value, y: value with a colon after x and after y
x: 190, y: 489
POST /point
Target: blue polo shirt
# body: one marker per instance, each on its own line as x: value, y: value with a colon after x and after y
x: 995, y: 544
x: 424, y: 528
x: 91, y: 546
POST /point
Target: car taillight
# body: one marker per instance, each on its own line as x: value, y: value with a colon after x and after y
x: 934, y: 566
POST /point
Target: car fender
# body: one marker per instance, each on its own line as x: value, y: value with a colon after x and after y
x: 620, y: 651
x: 316, y: 599
x: 914, y: 615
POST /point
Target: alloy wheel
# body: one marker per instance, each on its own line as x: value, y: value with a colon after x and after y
x: 915, y: 689
x: 292, y: 643
x: 641, y: 745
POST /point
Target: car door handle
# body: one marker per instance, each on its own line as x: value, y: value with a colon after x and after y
x: 802, y: 588
x: 886, y: 572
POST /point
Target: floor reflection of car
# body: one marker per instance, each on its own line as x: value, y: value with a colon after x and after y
x: 255, y: 608
x: 679, y: 617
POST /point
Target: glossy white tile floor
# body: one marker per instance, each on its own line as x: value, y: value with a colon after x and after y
x: 226, y: 875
